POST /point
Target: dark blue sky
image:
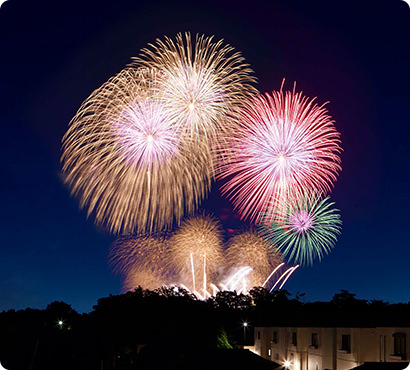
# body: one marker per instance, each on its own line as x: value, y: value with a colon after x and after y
x: 53, y: 56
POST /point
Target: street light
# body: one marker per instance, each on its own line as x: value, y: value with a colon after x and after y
x: 60, y: 324
x: 245, y: 325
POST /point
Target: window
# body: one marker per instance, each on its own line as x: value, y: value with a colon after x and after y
x: 345, y: 343
x: 315, y: 340
x: 400, y: 345
x: 269, y: 352
x: 259, y: 334
x: 275, y: 337
x: 294, y: 339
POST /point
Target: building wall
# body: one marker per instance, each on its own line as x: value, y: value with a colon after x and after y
x: 330, y: 348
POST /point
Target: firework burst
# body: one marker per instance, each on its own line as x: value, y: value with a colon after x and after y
x: 200, y: 84
x: 251, y: 249
x: 285, y: 146
x: 141, y: 260
x: 196, y: 251
x: 123, y: 155
x: 308, y: 232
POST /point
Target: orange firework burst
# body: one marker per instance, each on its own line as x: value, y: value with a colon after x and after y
x: 141, y: 260
x: 250, y: 249
x: 196, y: 251
x: 124, y: 157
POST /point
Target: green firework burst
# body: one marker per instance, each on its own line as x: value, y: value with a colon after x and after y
x: 308, y: 230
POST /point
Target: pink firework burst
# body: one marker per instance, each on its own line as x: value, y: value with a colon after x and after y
x: 145, y: 134
x: 301, y: 221
x: 284, y: 146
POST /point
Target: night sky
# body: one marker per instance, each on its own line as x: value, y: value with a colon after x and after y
x: 356, y: 55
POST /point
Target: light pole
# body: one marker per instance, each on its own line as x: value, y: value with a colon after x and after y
x: 245, y: 325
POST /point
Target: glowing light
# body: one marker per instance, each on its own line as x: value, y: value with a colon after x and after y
x: 285, y: 146
x: 203, y: 75
x: 150, y: 138
x: 245, y: 324
x: 120, y: 134
x: 308, y: 231
x: 141, y: 260
x: 281, y: 158
x: 287, y: 364
x: 192, y: 258
x: 249, y: 249
x: 197, y: 244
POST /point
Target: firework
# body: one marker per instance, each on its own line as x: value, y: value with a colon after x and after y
x: 200, y: 84
x: 124, y: 157
x: 286, y: 146
x: 141, y: 260
x: 196, y: 252
x: 308, y: 231
x: 249, y: 249
x: 192, y: 259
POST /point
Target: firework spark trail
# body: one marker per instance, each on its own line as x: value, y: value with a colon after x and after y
x: 272, y: 273
x: 308, y: 231
x: 285, y: 276
x: 285, y: 146
x: 249, y: 248
x: 196, y: 249
x: 124, y: 157
x: 292, y: 270
x: 200, y: 83
x: 239, y: 276
x: 147, y: 261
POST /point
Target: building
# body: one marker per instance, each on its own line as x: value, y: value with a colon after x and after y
x: 337, y: 348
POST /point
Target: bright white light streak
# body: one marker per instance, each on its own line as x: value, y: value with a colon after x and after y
x: 287, y: 277
x: 243, y: 272
x: 228, y: 283
x: 193, y: 272
x: 289, y: 270
x: 215, y: 289
x: 271, y: 274
x: 199, y: 295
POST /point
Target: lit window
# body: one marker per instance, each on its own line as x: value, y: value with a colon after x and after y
x: 269, y: 352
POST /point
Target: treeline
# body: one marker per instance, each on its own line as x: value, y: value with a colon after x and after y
x: 129, y: 331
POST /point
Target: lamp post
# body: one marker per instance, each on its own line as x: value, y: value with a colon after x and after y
x: 245, y: 325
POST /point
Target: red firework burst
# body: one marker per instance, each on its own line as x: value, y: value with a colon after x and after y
x: 284, y: 146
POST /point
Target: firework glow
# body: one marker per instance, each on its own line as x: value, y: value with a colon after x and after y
x: 250, y: 249
x: 124, y: 157
x: 199, y: 83
x: 285, y: 146
x: 196, y: 259
x: 196, y: 250
x: 143, y: 149
x: 309, y: 230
